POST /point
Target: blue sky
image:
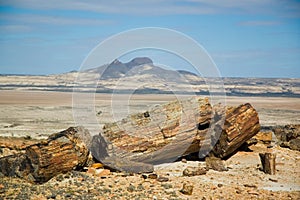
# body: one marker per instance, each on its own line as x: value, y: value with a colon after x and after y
x: 249, y: 38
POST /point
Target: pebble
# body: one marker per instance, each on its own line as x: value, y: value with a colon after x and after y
x: 253, y: 192
x: 215, y: 164
x: 187, y: 189
x: 103, y: 172
x: 97, y: 165
x: 184, y: 160
x: 273, y: 180
x: 166, y: 186
x: 194, y: 171
x: 250, y: 185
x: 2, y: 188
x: 152, y: 176
x: 162, y: 179
x: 131, y: 188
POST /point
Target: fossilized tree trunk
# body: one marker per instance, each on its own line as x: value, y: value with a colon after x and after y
x: 268, y: 161
x: 241, y: 124
x: 61, y: 152
x: 177, y: 129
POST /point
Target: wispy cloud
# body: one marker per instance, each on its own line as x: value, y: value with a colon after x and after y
x: 52, y: 20
x: 259, y: 23
x: 165, y: 7
x: 14, y: 28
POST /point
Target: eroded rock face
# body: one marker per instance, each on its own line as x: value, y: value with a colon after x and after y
x: 288, y: 136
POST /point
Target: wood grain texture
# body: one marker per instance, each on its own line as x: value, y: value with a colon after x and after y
x: 60, y: 153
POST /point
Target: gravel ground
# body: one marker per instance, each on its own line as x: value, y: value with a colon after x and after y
x: 243, y: 180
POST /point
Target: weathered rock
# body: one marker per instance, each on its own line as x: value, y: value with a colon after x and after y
x: 60, y: 153
x: 97, y: 165
x: 241, y: 124
x: 268, y: 161
x: 187, y: 189
x: 156, y: 136
x: 127, y: 165
x: 264, y: 137
x: 173, y: 130
x: 162, y: 179
x: 16, y: 143
x: 215, y: 164
x: 288, y: 136
x: 194, y: 171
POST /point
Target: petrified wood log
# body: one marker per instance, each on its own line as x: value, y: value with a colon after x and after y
x: 241, y: 124
x: 61, y: 152
x: 268, y: 161
x: 158, y: 135
x: 176, y: 129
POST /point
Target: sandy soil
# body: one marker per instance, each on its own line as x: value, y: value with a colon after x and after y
x: 38, y: 114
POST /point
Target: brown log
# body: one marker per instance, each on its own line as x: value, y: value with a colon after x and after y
x: 176, y: 129
x: 60, y: 153
x: 158, y: 135
x: 241, y: 124
x: 268, y: 162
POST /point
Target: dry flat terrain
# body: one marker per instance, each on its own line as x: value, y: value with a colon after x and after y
x: 38, y: 114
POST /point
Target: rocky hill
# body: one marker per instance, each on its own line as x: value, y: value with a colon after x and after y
x: 142, y: 76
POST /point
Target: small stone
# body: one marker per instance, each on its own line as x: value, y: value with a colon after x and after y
x: 103, y: 173
x: 194, y: 171
x: 215, y: 164
x: 52, y: 196
x: 183, y: 160
x: 220, y: 185
x: 59, y: 178
x: 253, y: 192
x: 152, y: 176
x: 166, y: 186
x: 91, y: 170
x: 238, y: 191
x: 130, y: 188
x: 97, y: 165
x: 144, y: 176
x: 2, y: 189
x: 68, y: 195
x: 187, y: 189
x: 162, y: 179
x: 140, y: 187
x: 250, y: 185
x: 273, y: 180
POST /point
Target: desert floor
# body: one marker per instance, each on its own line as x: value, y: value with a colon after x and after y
x: 38, y: 114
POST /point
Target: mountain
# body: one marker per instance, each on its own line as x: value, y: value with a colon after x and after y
x: 141, y: 66
x: 141, y: 75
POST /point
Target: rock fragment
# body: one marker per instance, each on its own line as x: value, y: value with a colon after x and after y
x: 194, y: 171
x: 215, y: 164
x: 187, y: 189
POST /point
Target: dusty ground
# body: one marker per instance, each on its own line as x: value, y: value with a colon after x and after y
x: 244, y: 180
x: 38, y: 114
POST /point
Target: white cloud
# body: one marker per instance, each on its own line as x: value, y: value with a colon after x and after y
x: 54, y: 20
x: 166, y: 7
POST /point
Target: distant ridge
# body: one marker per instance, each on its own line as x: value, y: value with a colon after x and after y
x: 142, y: 76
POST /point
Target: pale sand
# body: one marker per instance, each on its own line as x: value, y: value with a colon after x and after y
x: 39, y: 114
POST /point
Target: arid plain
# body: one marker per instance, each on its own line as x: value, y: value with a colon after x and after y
x: 37, y: 114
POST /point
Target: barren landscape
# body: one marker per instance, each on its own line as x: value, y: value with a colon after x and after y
x: 37, y: 114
